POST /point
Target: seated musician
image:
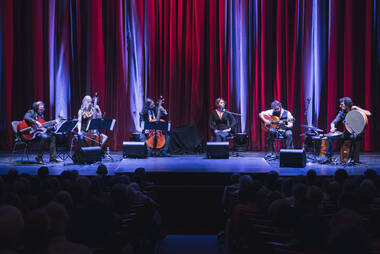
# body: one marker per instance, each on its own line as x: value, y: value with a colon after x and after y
x: 37, y: 112
x: 222, y: 122
x: 148, y: 114
x: 345, y: 105
x: 87, y: 112
x: 284, y: 128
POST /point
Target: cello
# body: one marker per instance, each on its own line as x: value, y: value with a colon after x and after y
x: 94, y: 137
x: 156, y: 139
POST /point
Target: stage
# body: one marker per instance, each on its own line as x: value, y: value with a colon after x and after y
x: 243, y: 162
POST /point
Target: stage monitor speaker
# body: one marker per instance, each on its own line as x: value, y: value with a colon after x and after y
x: 88, y: 155
x: 241, y: 142
x: 217, y: 150
x: 292, y: 158
x: 135, y: 136
x: 132, y: 149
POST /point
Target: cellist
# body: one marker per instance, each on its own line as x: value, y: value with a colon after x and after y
x: 86, y: 112
x: 148, y: 114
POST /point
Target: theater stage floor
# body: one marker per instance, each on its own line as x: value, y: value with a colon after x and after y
x: 246, y: 162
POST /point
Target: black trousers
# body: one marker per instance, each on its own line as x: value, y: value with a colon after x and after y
x: 345, y: 136
x: 44, y: 138
x: 274, y: 133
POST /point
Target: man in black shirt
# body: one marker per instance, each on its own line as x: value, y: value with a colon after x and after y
x: 345, y: 105
x: 148, y: 114
x: 221, y: 121
x: 31, y: 118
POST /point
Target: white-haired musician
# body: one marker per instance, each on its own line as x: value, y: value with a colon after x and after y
x: 88, y: 110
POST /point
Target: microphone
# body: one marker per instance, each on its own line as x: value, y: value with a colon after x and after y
x: 232, y: 113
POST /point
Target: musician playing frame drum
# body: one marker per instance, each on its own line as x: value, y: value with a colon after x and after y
x: 354, y: 118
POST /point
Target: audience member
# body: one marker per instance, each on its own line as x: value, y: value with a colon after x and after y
x: 11, y: 229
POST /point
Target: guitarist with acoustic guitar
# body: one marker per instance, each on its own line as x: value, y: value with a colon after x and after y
x: 36, y: 129
x: 277, y: 122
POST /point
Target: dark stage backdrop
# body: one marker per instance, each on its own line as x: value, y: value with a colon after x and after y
x: 249, y: 52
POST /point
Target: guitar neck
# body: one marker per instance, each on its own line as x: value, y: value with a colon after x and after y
x: 50, y: 123
x: 279, y: 121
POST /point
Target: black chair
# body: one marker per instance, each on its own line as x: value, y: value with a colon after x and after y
x: 18, y: 140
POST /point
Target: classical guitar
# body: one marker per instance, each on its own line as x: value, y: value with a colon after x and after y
x: 29, y: 131
x: 275, y: 122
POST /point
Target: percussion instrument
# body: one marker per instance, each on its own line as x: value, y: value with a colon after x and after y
x: 311, y: 128
x: 334, y: 134
x: 323, y: 147
x: 355, y: 122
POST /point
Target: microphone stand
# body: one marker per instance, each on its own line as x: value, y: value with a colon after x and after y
x: 233, y: 113
x: 307, y: 105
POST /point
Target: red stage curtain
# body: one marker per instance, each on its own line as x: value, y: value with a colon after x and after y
x: 187, y: 55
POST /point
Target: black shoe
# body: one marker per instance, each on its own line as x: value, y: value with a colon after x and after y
x: 40, y: 160
x: 55, y: 160
x: 350, y: 162
x: 268, y: 155
x: 325, y: 159
x: 164, y: 154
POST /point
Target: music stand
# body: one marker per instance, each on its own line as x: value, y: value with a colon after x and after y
x: 157, y: 125
x: 106, y: 124
x: 67, y: 126
x: 64, y: 128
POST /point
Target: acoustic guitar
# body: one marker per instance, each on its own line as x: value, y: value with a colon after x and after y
x: 275, y: 122
x: 29, y: 131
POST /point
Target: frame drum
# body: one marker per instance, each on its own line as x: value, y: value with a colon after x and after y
x: 355, y: 122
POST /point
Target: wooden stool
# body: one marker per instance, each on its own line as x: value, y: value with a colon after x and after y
x: 345, y: 151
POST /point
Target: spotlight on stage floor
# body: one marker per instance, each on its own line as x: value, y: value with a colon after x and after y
x: 241, y: 142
